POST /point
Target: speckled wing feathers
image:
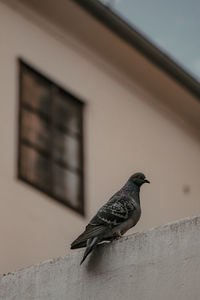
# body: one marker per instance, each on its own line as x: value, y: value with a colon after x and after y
x: 115, y: 211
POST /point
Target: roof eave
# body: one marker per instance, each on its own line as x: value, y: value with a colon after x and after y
x: 139, y: 42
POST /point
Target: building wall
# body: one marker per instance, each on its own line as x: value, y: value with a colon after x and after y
x: 124, y: 132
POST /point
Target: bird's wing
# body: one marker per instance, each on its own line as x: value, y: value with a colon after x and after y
x: 90, y: 232
x: 117, y: 210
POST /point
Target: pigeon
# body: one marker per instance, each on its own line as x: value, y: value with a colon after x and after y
x: 114, y: 218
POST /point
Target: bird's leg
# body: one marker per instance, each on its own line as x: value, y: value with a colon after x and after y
x: 117, y: 235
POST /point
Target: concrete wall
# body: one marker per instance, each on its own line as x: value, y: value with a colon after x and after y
x: 126, y: 130
x: 162, y: 263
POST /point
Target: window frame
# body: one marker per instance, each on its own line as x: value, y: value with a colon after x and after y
x: 21, y: 66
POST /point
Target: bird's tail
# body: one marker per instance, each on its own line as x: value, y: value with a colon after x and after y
x: 91, y: 244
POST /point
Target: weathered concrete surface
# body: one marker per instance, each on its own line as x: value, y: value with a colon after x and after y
x: 162, y: 263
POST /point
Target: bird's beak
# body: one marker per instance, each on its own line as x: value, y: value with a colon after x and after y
x: 147, y: 181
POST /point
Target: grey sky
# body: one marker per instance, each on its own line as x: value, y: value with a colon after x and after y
x: 172, y: 25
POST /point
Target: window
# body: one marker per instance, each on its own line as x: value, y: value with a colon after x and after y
x: 50, y: 154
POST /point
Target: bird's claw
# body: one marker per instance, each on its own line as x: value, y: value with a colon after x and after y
x: 117, y: 236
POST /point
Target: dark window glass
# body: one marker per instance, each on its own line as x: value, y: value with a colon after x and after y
x: 50, y: 138
x: 36, y: 92
x: 67, y: 114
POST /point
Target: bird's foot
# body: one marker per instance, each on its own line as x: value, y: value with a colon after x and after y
x: 118, y: 235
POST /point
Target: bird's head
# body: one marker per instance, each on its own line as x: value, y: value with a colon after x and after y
x: 138, y: 179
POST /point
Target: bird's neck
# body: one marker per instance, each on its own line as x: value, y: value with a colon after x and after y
x: 132, y: 189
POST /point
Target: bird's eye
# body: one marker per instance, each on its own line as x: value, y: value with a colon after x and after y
x: 139, y: 177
